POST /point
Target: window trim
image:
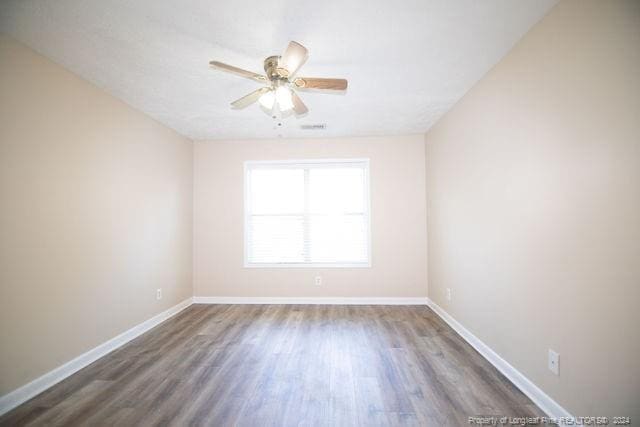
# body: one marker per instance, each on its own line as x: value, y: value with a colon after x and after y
x: 307, y: 163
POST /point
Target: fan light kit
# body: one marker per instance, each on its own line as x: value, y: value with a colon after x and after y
x: 280, y: 95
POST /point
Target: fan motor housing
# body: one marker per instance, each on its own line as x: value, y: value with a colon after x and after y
x: 273, y: 72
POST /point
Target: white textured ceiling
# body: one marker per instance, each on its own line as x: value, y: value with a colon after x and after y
x: 407, y: 61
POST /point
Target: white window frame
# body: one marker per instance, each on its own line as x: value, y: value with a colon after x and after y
x: 307, y: 164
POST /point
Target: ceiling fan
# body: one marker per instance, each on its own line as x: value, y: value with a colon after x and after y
x: 279, y: 94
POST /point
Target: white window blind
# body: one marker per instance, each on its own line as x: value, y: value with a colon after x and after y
x: 307, y: 213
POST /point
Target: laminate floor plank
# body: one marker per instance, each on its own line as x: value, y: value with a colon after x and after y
x: 284, y: 365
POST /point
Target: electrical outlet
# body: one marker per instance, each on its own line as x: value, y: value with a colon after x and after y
x: 554, y: 362
x: 159, y: 294
x: 448, y: 294
x: 318, y: 280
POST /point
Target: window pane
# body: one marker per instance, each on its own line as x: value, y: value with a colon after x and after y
x: 338, y: 238
x: 276, y: 191
x: 336, y: 190
x: 276, y: 239
x: 307, y: 213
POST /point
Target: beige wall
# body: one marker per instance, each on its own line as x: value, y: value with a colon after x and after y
x: 533, y: 189
x: 397, y: 220
x: 96, y: 214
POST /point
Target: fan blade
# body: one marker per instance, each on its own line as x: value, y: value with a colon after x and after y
x: 319, y: 83
x: 239, y: 71
x: 251, y: 98
x: 298, y: 105
x: 294, y: 56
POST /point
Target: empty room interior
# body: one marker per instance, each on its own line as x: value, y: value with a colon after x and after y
x: 346, y: 213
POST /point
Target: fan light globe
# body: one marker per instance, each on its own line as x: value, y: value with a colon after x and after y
x: 267, y: 100
x: 284, y: 98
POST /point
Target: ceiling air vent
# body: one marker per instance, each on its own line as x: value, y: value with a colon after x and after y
x: 317, y: 126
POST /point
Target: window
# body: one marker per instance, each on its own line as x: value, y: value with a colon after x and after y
x: 307, y: 213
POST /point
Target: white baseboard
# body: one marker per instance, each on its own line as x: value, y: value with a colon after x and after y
x: 312, y: 300
x: 539, y: 397
x: 37, y: 386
